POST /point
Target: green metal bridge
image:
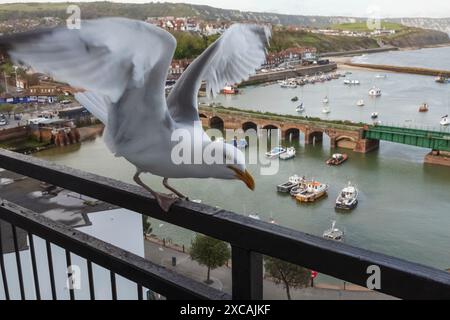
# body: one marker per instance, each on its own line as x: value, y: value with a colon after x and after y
x: 435, y: 140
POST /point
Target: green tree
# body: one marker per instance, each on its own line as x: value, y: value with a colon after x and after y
x: 209, y: 252
x: 147, y: 225
x: 6, y: 108
x: 290, y: 275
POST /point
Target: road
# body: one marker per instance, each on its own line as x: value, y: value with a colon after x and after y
x: 222, y: 278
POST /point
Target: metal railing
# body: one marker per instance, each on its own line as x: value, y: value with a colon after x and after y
x: 249, y: 239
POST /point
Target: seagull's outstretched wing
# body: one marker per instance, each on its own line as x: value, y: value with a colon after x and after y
x: 231, y: 59
x: 111, y: 59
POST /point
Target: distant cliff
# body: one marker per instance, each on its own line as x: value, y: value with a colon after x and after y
x: 417, y: 38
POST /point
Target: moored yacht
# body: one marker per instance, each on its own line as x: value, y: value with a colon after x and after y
x: 375, y: 92
x: 348, y: 198
x: 360, y: 103
x: 445, y: 121
x: 275, y: 152
x: 289, y: 154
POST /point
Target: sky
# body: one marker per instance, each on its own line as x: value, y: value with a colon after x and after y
x: 357, y: 8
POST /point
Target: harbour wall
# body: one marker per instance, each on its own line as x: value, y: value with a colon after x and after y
x: 357, y: 52
x: 409, y: 70
x: 17, y: 133
x: 292, y: 73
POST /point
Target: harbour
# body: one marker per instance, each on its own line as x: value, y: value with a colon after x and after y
x: 409, y: 223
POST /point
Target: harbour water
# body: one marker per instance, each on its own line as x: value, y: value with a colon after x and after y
x: 404, y: 207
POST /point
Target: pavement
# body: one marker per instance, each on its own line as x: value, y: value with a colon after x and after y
x: 159, y: 254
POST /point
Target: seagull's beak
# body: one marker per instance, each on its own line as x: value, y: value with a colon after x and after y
x: 246, y: 177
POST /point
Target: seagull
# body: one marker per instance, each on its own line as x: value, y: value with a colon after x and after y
x: 118, y: 68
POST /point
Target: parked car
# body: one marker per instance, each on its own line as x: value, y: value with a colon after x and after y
x: 3, y: 121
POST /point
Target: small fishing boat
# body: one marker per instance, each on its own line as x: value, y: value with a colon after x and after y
x: 313, y: 191
x: 360, y: 103
x: 230, y: 90
x: 242, y: 144
x: 374, y: 115
x: 325, y: 100
x: 424, y: 108
x: 293, y: 182
x: 375, y: 92
x: 441, y: 79
x: 348, y: 198
x: 334, y: 233
x: 351, y: 82
x: 289, y: 154
x: 294, y: 99
x: 300, y: 108
x: 326, y: 110
x: 288, y: 84
x: 445, y: 121
x: 381, y: 76
x: 275, y: 152
x: 337, y: 159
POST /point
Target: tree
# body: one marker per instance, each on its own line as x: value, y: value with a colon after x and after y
x: 6, y: 108
x: 290, y: 275
x: 209, y: 252
x: 147, y: 225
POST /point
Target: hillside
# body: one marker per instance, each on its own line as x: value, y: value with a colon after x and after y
x: 323, y: 43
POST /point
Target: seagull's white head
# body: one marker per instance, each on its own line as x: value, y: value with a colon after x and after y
x: 231, y: 165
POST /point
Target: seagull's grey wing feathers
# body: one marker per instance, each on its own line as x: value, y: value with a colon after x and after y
x: 231, y: 59
x: 108, y: 58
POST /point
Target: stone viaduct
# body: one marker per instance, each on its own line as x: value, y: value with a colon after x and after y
x: 349, y: 136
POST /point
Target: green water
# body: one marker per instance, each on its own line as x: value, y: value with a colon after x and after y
x: 404, y: 207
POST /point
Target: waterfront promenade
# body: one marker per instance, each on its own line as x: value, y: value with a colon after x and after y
x: 156, y: 252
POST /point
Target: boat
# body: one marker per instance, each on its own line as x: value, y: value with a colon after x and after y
x: 326, y: 110
x: 293, y: 182
x: 374, y: 115
x: 337, y: 159
x: 424, y: 108
x: 254, y: 216
x: 442, y: 79
x: 375, y: 92
x: 300, y: 108
x: 230, y: 90
x: 381, y: 76
x: 294, y: 99
x: 313, y: 191
x: 288, y: 84
x: 360, y: 103
x: 351, y: 82
x: 326, y: 100
x: 445, y: 121
x: 242, y: 144
x: 334, y: 233
x: 348, y: 198
x: 289, y: 154
x: 275, y: 152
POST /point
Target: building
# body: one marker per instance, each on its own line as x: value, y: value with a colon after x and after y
x: 177, y: 67
x: 291, y: 56
x: 43, y: 93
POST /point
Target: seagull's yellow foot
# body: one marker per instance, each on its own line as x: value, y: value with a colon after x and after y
x: 166, y: 201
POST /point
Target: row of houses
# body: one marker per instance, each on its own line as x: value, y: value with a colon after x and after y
x: 291, y: 56
x: 350, y: 33
x: 189, y: 24
x: 42, y: 93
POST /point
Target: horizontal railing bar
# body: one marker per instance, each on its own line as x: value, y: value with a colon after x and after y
x: 119, y: 261
x: 400, y: 278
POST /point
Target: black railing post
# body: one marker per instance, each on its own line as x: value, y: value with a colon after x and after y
x: 247, y: 274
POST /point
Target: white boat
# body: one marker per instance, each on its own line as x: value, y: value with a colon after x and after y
x: 254, y: 216
x: 374, y: 115
x: 351, y: 82
x: 360, y: 103
x: 326, y: 110
x: 293, y: 182
x: 348, y: 198
x: 334, y: 233
x: 312, y: 191
x: 381, y: 76
x: 300, y: 108
x: 288, y: 84
x: 445, y: 121
x: 326, y: 100
x: 275, y: 152
x: 289, y: 154
x: 375, y: 92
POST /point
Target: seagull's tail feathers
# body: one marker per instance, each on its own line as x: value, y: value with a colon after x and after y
x: 98, y: 105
